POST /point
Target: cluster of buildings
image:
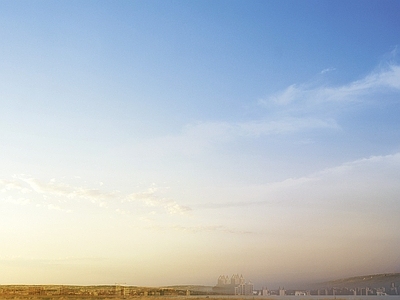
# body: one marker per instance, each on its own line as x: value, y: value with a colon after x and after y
x: 355, y: 291
x: 235, y: 285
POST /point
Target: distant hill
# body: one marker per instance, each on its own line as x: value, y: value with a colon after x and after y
x: 194, y: 289
x: 374, y: 281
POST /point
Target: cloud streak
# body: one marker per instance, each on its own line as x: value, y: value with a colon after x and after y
x: 356, y: 185
x: 298, y: 108
x: 62, y: 197
x: 58, y: 196
x: 202, y: 137
x: 381, y: 81
x: 150, y: 199
x: 284, y: 126
x: 327, y: 70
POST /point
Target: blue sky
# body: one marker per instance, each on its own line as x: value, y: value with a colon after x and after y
x: 143, y: 140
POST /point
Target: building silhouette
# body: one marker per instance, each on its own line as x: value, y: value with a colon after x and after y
x: 236, y: 285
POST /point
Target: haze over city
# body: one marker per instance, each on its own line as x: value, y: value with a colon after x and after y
x: 170, y: 142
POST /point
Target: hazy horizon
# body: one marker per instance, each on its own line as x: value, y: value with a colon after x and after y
x: 170, y: 142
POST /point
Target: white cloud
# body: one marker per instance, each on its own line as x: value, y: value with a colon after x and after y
x: 367, y: 184
x: 286, y: 125
x: 151, y: 199
x: 297, y: 108
x: 56, y: 207
x: 9, y: 185
x: 327, y: 70
x: 65, y: 190
x: 381, y: 81
x: 21, y: 201
x: 173, y: 207
x: 63, y: 197
x: 374, y: 178
x: 202, y: 137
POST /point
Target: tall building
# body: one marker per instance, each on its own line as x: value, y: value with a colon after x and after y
x: 222, y: 280
x: 282, y: 292
x: 393, y: 289
x: 235, y: 286
x: 264, y: 292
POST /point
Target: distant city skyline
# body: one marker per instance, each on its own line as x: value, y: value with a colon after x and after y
x: 167, y: 142
x: 235, y: 285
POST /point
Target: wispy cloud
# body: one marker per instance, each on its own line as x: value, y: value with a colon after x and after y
x: 151, y: 199
x: 8, y: 185
x: 201, y: 137
x: 298, y: 108
x: 58, y: 196
x: 381, y: 81
x: 327, y: 70
x: 284, y: 126
x: 360, y: 184
x: 68, y: 191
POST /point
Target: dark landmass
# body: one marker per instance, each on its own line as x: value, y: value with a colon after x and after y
x: 376, y: 284
x: 373, y: 281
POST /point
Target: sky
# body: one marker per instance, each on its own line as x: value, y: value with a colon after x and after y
x: 171, y: 142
